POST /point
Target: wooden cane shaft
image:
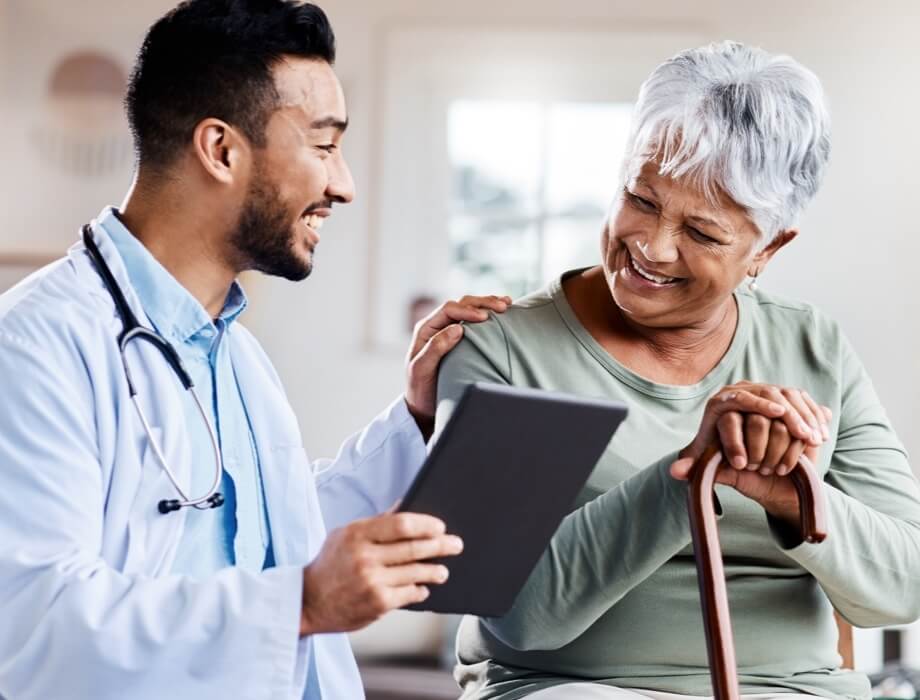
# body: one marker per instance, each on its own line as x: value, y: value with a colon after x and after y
x: 720, y: 644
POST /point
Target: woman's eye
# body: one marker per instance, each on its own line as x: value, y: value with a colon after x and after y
x: 328, y: 147
x: 701, y: 237
x: 641, y: 202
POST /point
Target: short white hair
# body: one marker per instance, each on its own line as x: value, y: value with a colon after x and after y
x: 737, y: 119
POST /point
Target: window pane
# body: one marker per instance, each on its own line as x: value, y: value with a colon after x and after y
x: 531, y: 185
x: 585, y: 151
x: 495, y: 155
x: 570, y: 242
x: 493, y: 256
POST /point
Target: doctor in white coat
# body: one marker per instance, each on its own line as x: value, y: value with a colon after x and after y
x: 238, y: 121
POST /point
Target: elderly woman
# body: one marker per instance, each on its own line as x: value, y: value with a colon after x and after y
x: 728, y: 146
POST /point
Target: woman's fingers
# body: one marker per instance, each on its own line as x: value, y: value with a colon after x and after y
x: 728, y: 401
x: 790, y: 459
x: 808, y: 414
x: 821, y: 412
x: 756, y: 426
x: 776, y: 448
x: 730, y: 426
x: 756, y: 438
x: 797, y: 424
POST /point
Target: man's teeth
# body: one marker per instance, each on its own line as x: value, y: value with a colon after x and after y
x: 658, y: 279
x: 313, y: 221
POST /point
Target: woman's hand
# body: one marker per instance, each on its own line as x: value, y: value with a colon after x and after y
x: 759, y: 449
x: 758, y: 443
x: 725, y: 421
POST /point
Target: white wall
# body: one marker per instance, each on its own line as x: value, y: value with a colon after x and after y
x: 854, y: 259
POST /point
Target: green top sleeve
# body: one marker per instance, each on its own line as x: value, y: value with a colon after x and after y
x: 592, y: 560
x: 869, y: 566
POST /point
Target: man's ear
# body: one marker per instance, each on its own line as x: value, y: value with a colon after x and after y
x: 764, y: 256
x: 220, y: 149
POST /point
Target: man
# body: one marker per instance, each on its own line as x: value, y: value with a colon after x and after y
x: 123, y: 572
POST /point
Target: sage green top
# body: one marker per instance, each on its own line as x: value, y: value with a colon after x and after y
x: 614, y: 598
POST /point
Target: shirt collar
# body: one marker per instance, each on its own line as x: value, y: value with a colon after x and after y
x: 174, y: 312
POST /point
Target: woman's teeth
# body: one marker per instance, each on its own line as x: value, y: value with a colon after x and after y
x: 650, y: 276
x: 313, y: 221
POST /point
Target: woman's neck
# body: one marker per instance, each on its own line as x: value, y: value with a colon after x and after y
x: 680, y: 356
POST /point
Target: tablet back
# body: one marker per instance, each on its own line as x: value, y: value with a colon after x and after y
x: 502, y: 475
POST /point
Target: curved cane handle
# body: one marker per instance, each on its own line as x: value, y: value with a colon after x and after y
x: 720, y: 644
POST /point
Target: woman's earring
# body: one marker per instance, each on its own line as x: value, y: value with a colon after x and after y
x: 752, y: 285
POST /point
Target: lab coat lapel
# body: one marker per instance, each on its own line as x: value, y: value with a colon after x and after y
x: 152, y: 537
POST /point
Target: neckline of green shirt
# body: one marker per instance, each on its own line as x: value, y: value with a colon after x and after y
x: 715, y: 379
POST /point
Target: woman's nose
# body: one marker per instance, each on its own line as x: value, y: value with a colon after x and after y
x: 659, y: 247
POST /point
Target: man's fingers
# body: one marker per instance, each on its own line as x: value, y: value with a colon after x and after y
x: 407, y: 551
x: 403, y: 526
x: 472, y: 309
x: 730, y: 426
x: 407, y: 574
x: 407, y: 595
x: 426, y: 361
x: 491, y: 301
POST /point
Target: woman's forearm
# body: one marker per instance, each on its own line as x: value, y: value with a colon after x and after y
x: 601, y: 552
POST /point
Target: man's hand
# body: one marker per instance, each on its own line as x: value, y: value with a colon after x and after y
x: 434, y: 337
x: 372, y: 566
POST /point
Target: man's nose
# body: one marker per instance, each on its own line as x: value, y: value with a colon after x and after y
x: 341, y: 185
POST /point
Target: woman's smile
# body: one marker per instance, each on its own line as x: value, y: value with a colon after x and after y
x: 641, y: 278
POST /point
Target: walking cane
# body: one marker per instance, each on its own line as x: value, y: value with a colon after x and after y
x: 720, y: 645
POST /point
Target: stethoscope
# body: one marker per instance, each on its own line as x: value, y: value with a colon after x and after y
x: 132, y: 330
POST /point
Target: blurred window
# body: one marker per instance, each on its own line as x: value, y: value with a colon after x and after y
x: 530, y: 185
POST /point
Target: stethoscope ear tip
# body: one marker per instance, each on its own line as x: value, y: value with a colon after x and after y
x: 216, y: 501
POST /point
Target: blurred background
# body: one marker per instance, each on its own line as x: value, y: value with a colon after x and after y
x: 485, y: 140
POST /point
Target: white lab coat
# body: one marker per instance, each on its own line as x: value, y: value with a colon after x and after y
x: 88, y: 607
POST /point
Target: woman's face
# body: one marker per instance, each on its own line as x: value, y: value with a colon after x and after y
x: 671, y: 259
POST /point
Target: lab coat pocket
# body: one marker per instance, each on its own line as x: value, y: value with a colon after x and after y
x: 152, y: 536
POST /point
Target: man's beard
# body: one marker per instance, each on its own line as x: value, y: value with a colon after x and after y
x: 263, y: 239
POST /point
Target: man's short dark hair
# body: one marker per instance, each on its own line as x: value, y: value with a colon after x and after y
x: 214, y: 58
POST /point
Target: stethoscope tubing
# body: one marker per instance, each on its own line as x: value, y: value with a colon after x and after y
x: 133, y: 330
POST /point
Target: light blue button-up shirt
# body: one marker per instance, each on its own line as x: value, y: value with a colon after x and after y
x: 237, y: 533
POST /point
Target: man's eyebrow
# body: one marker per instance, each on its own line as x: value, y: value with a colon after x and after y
x: 327, y: 122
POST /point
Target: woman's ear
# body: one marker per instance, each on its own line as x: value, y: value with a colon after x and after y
x: 220, y: 150
x: 764, y: 256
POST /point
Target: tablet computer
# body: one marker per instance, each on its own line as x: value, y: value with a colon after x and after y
x: 502, y: 475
